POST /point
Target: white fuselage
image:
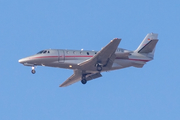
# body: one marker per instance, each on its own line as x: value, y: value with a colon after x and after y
x: 70, y: 59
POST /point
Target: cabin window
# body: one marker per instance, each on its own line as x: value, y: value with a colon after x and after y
x: 87, y: 53
x: 67, y: 52
x: 44, y: 51
x: 80, y: 52
x: 48, y: 52
x: 95, y: 53
x: 74, y: 52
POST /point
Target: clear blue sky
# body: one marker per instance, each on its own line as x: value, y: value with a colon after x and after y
x: 28, y: 26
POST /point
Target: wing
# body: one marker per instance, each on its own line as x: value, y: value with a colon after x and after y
x: 74, y: 78
x: 77, y: 76
x: 105, y: 57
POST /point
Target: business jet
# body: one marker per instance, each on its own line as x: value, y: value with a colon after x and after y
x: 88, y: 65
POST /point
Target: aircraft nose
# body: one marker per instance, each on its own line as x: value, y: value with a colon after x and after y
x: 26, y: 61
x: 23, y: 60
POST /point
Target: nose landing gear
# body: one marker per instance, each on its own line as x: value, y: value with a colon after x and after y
x: 33, y: 70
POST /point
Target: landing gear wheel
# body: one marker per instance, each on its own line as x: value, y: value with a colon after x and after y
x: 33, y: 71
x: 83, y: 77
x: 99, y: 68
x: 83, y: 81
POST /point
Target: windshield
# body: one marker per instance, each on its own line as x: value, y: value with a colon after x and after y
x: 40, y: 52
x: 43, y: 51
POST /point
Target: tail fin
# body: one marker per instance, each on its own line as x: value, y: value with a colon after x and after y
x: 148, y: 44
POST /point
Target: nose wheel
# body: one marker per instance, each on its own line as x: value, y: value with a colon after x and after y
x: 33, y: 70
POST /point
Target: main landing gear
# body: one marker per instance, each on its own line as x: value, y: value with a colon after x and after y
x: 83, y: 81
x: 33, y: 70
x: 98, y: 67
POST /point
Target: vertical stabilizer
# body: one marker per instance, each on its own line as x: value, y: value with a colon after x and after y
x: 148, y: 44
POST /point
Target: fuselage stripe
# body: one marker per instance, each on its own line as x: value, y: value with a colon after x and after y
x: 139, y: 60
x: 77, y: 56
x: 57, y: 56
x: 45, y: 57
x: 82, y: 56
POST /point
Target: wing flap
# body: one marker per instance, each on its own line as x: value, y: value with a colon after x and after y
x: 93, y: 76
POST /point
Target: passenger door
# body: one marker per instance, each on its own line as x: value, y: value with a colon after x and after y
x: 61, y: 55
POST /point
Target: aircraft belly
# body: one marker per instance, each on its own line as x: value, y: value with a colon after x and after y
x: 68, y: 64
x: 121, y: 63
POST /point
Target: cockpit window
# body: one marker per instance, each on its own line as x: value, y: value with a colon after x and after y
x: 40, y: 52
x: 43, y: 51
